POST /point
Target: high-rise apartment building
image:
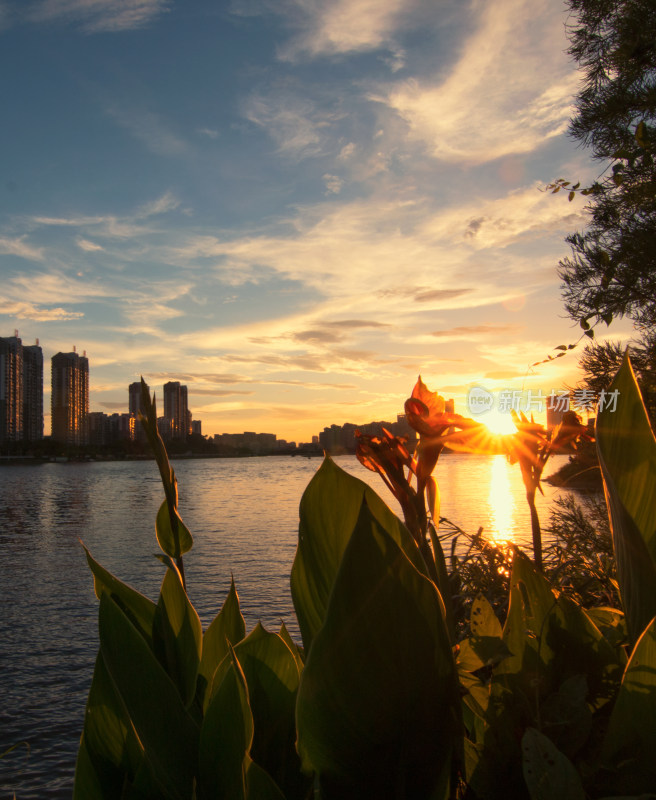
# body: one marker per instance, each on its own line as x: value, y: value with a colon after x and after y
x: 70, y: 398
x: 134, y: 406
x: 11, y: 389
x: 32, y: 392
x: 21, y: 391
x: 175, y: 409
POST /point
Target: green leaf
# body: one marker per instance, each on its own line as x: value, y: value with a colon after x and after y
x: 548, y: 773
x: 329, y: 510
x: 225, y: 739
x: 89, y: 784
x: 612, y: 624
x: 173, y: 542
x: 630, y: 743
x: 111, y: 747
x: 378, y: 708
x: 552, y: 641
x: 482, y: 619
x: 272, y: 677
x: 226, y: 770
x: 227, y: 628
x: 296, y: 652
x: 139, y: 609
x: 627, y: 456
x: 165, y: 729
x: 177, y: 636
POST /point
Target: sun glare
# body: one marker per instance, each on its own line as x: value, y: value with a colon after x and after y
x: 498, y: 422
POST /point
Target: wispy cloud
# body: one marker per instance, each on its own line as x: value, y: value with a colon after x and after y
x: 332, y: 27
x: 297, y: 124
x: 98, y: 16
x: 19, y: 247
x: 87, y: 246
x: 474, y: 331
x: 211, y: 133
x: 167, y: 202
x: 509, y: 91
x: 24, y: 310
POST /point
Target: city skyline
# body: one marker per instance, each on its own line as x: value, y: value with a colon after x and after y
x: 292, y: 209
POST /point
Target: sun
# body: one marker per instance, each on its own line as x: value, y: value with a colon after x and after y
x: 498, y: 422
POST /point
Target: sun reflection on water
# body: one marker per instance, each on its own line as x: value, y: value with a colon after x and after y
x: 501, y: 502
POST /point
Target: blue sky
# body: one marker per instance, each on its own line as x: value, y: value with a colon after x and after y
x: 292, y: 206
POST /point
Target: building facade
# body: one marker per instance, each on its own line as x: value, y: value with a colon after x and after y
x: 70, y: 398
x: 176, y: 411
x: 21, y: 391
x: 134, y: 407
x: 32, y: 393
x: 11, y: 389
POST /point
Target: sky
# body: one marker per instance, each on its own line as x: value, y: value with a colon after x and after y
x: 294, y: 207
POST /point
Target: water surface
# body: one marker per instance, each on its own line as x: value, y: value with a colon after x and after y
x: 244, y: 517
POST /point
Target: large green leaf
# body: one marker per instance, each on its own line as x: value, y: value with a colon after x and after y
x: 378, y: 705
x: 89, y: 783
x: 226, y: 770
x: 627, y: 456
x: 139, y: 609
x: 177, y: 635
x: 628, y: 752
x: 111, y: 747
x: 173, y: 542
x: 548, y: 773
x: 226, y: 629
x: 165, y: 729
x: 272, y: 677
x: 329, y: 510
x: 225, y: 739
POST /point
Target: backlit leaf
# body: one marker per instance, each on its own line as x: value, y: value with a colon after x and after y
x: 173, y: 543
x: 139, y: 609
x: 227, y: 628
x: 627, y: 456
x: 177, y: 635
x: 377, y: 710
x: 630, y: 743
x: 329, y: 510
x: 165, y: 729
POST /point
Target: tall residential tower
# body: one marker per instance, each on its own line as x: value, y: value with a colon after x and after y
x: 21, y: 391
x: 175, y: 409
x: 70, y: 398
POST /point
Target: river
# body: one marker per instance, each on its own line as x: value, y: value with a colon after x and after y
x: 244, y: 517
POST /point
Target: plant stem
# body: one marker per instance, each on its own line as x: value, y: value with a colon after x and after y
x: 535, y: 527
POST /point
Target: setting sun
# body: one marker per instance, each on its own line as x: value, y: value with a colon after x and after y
x: 498, y: 422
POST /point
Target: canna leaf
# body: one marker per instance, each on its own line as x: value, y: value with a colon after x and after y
x: 627, y: 456
x: 177, y: 635
x: 227, y: 628
x: 225, y: 739
x: 378, y: 707
x: 226, y: 770
x: 628, y: 749
x: 111, y: 745
x: 139, y: 609
x: 548, y: 773
x: 272, y: 677
x: 328, y: 513
x: 173, y: 543
x: 166, y: 731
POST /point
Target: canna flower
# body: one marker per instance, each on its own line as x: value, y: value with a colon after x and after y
x: 389, y: 457
x: 429, y: 414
